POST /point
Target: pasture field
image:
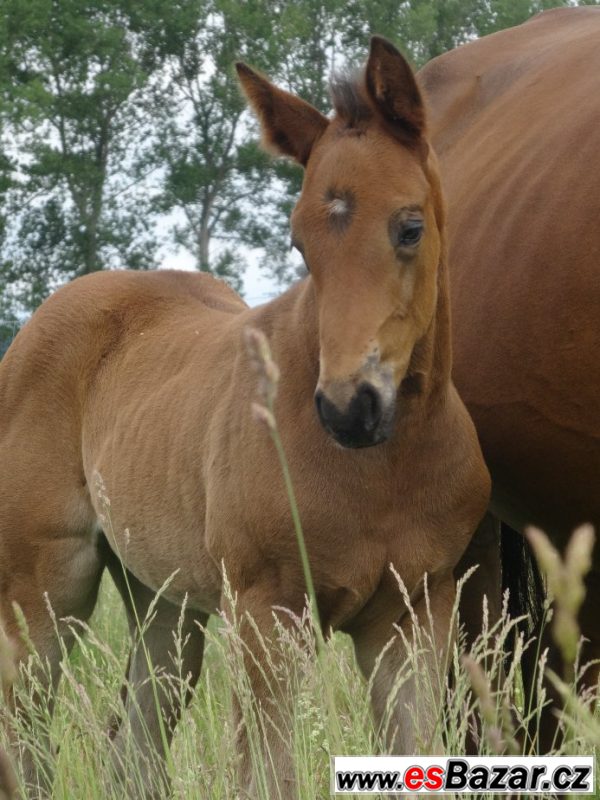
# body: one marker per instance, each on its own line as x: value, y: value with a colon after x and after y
x: 332, y: 714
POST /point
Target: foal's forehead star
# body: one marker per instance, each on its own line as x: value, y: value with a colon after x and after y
x: 340, y: 204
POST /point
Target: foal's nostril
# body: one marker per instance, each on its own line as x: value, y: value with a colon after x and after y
x: 368, y: 400
x: 319, y: 403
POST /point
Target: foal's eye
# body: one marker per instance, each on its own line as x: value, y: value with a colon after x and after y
x: 410, y: 233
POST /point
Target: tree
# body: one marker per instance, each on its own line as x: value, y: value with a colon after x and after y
x: 73, y: 93
x: 215, y: 174
x: 423, y: 29
x: 230, y: 195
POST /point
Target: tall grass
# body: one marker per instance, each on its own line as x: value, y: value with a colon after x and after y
x: 204, y: 756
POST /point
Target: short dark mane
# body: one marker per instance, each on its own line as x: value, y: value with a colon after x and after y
x: 349, y: 99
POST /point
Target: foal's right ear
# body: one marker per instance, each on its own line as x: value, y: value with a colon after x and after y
x: 290, y: 126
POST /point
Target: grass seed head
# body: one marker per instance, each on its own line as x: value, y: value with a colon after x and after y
x: 566, y: 584
x: 262, y: 361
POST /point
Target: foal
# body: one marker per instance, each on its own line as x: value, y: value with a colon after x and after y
x: 142, y: 379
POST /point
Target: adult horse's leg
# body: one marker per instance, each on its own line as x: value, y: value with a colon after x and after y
x: 484, y: 553
x: 590, y: 630
x: 542, y: 726
x: 523, y: 583
x: 406, y: 702
x: 160, y: 681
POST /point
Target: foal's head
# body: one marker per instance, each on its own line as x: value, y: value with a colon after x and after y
x: 368, y: 224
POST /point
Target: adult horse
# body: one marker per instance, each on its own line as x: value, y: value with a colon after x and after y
x: 516, y: 122
x: 135, y: 388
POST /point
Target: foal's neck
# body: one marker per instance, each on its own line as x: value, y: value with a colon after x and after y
x: 432, y: 355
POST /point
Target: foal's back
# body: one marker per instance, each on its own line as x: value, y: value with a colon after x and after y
x: 61, y: 367
x: 84, y: 324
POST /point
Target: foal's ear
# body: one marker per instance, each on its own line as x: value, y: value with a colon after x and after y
x: 290, y: 126
x: 393, y: 89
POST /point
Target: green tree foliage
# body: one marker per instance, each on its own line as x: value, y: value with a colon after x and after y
x: 74, y: 74
x: 425, y: 29
x: 116, y: 115
x: 211, y: 166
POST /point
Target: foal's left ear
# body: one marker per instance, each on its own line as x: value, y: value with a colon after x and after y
x: 393, y: 89
x: 290, y: 126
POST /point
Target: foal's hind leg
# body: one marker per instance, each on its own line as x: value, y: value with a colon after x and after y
x: 47, y: 559
x: 157, y: 685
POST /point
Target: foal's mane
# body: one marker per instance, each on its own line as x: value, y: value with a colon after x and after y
x: 349, y: 98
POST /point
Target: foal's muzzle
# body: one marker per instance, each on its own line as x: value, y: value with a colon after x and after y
x: 364, y: 422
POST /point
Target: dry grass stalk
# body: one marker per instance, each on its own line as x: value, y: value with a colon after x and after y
x: 566, y: 586
x: 500, y: 734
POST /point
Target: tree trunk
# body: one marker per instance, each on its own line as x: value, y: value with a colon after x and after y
x: 204, y: 248
x: 90, y: 254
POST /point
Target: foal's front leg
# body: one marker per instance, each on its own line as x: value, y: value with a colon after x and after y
x: 407, y: 672
x: 263, y: 696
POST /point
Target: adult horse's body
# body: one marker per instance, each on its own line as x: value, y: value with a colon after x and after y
x: 516, y: 123
x: 125, y: 425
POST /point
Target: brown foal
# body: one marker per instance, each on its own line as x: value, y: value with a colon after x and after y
x: 136, y: 387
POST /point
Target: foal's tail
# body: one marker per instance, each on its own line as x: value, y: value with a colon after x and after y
x: 522, y: 577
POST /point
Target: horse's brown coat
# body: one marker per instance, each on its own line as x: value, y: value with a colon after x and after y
x: 515, y: 120
x: 135, y: 389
